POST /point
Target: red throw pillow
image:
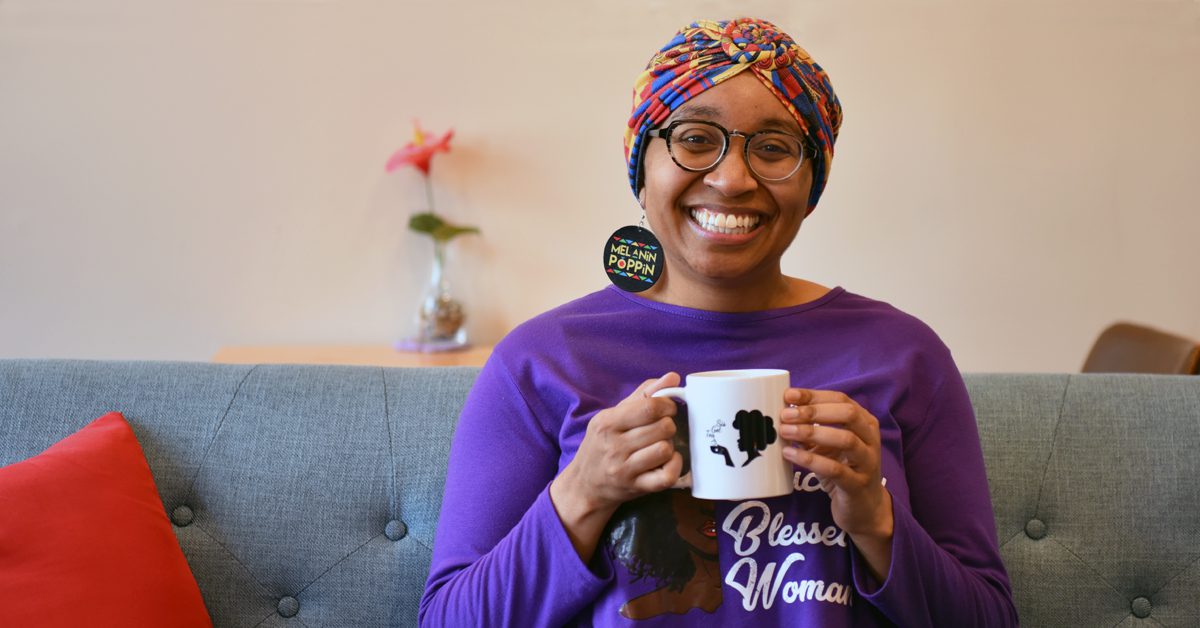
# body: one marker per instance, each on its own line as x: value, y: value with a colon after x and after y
x: 84, y: 539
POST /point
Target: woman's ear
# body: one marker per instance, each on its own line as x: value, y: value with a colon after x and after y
x: 642, y: 197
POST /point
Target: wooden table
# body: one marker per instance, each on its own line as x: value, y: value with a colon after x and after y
x: 358, y: 355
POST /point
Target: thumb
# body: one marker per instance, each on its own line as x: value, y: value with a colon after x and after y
x: 651, y: 386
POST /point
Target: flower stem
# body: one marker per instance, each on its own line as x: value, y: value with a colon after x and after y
x: 439, y: 269
x: 429, y: 194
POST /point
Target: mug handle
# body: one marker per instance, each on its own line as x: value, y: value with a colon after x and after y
x: 678, y: 392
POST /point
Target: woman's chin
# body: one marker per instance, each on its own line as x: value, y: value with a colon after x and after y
x: 735, y: 274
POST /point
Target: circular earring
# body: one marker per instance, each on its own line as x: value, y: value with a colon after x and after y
x: 633, y: 257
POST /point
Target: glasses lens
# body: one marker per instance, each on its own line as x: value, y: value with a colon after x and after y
x: 697, y: 145
x: 775, y: 155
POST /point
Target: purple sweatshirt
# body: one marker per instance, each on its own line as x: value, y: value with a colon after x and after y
x: 502, y: 557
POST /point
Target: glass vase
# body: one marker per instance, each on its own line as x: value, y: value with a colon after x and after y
x: 441, y: 321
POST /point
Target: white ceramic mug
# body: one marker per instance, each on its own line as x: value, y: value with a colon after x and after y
x: 733, y: 426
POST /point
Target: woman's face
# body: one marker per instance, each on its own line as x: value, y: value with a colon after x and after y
x: 676, y: 200
x: 694, y: 521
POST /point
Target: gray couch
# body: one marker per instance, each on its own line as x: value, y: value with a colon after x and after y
x: 309, y: 495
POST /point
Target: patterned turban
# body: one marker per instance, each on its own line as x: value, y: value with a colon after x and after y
x: 704, y: 54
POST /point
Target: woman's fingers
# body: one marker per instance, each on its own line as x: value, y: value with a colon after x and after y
x: 848, y: 422
x: 838, y: 439
x: 824, y: 466
x: 650, y: 457
x: 684, y: 481
x: 639, y: 421
x: 651, y: 386
x: 831, y: 467
x: 662, y: 429
x: 635, y: 414
x: 824, y: 407
x: 833, y: 440
x: 639, y: 408
x: 660, y: 478
x: 630, y: 445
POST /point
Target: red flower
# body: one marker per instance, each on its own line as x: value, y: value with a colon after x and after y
x: 419, y: 152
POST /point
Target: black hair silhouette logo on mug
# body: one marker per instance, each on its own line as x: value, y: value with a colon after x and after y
x: 755, y: 432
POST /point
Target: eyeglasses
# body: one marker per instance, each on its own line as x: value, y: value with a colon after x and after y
x: 700, y: 145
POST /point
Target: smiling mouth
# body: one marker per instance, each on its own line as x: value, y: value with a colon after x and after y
x: 709, y: 529
x: 725, y: 223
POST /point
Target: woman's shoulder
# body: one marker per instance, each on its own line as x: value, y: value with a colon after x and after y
x: 553, y: 327
x: 898, y: 343
x: 884, y: 322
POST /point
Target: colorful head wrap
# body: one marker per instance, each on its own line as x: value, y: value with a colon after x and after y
x: 704, y: 54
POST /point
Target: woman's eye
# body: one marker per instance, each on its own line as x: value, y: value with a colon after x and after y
x: 699, y: 139
x: 774, y: 149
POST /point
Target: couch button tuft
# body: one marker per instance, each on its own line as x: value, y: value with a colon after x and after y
x: 395, y: 530
x: 1140, y: 607
x: 182, y: 516
x: 1035, y: 529
x: 288, y: 606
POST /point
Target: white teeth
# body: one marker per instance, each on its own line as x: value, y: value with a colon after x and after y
x: 724, y: 223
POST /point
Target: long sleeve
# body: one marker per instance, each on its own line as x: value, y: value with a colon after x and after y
x: 946, y: 568
x: 501, y: 556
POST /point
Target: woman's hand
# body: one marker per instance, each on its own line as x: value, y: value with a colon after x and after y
x: 838, y: 440
x: 626, y: 452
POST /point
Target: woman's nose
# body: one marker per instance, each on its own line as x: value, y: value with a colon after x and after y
x: 732, y: 177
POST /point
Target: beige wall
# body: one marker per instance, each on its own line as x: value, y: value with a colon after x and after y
x: 179, y: 176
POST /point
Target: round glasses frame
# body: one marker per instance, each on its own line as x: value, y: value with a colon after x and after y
x: 666, y: 132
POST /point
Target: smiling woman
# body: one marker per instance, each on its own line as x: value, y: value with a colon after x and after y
x: 566, y: 500
x: 724, y: 227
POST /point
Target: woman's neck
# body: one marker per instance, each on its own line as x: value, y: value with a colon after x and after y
x: 742, y: 296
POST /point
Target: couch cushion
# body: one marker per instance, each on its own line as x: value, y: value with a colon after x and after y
x: 84, y: 539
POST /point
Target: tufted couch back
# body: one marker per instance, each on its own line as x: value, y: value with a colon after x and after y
x: 309, y: 495
x: 303, y: 495
x: 1095, y: 481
